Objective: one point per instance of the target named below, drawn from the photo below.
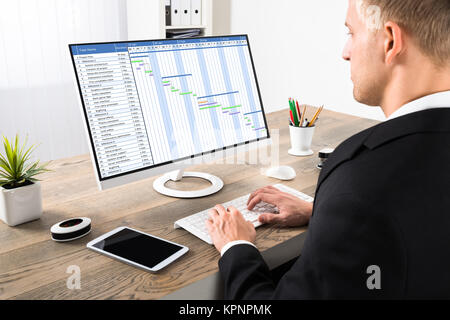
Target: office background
(296, 46)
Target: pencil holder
(301, 139)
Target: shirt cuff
(234, 243)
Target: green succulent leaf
(15, 165)
(5, 166)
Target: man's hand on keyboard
(228, 225)
(293, 212)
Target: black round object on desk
(71, 229)
(324, 154)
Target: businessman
(380, 224)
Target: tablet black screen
(138, 247)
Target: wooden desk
(32, 266)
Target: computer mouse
(282, 173)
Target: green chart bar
(137, 61)
(234, 107)
(210, 107)
(184, 93)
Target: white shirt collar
(432, 101)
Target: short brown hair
(428, 21)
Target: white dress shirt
(432, 101)
(234, 243)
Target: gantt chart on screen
(152, 102)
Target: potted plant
(20, 191)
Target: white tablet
(137, 248)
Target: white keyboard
(196, 223)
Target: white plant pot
(21, 204)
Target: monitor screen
(150, 103)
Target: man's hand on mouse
(226, 225)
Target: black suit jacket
(383, 198)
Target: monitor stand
(177, 175)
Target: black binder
(168, 14)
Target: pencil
(294, 113)
(290, 108)
(316, 116)
(303, 116)
(298, 113)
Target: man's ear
(393, 43)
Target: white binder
(196, 12)
(185, 12)
(175, 12)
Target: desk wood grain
(32, 266)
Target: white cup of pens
(301, 129)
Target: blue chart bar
(178, 76)
(208, 104)
(246, 114)
(217, 95)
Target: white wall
(297, 47)
(139, 25)
(37, 94)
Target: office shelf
(185, 27)
(206, 26)
(146, 19)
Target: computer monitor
(152, 106)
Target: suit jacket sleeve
(345, 237)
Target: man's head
(391, 39)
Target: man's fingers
(268, 189)
(220, 209)
(213, 214)
(254, 201)
(233, 210)
(256, 192)
(272, 188)
(270, 218)
(209, 224)
(266, 197)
